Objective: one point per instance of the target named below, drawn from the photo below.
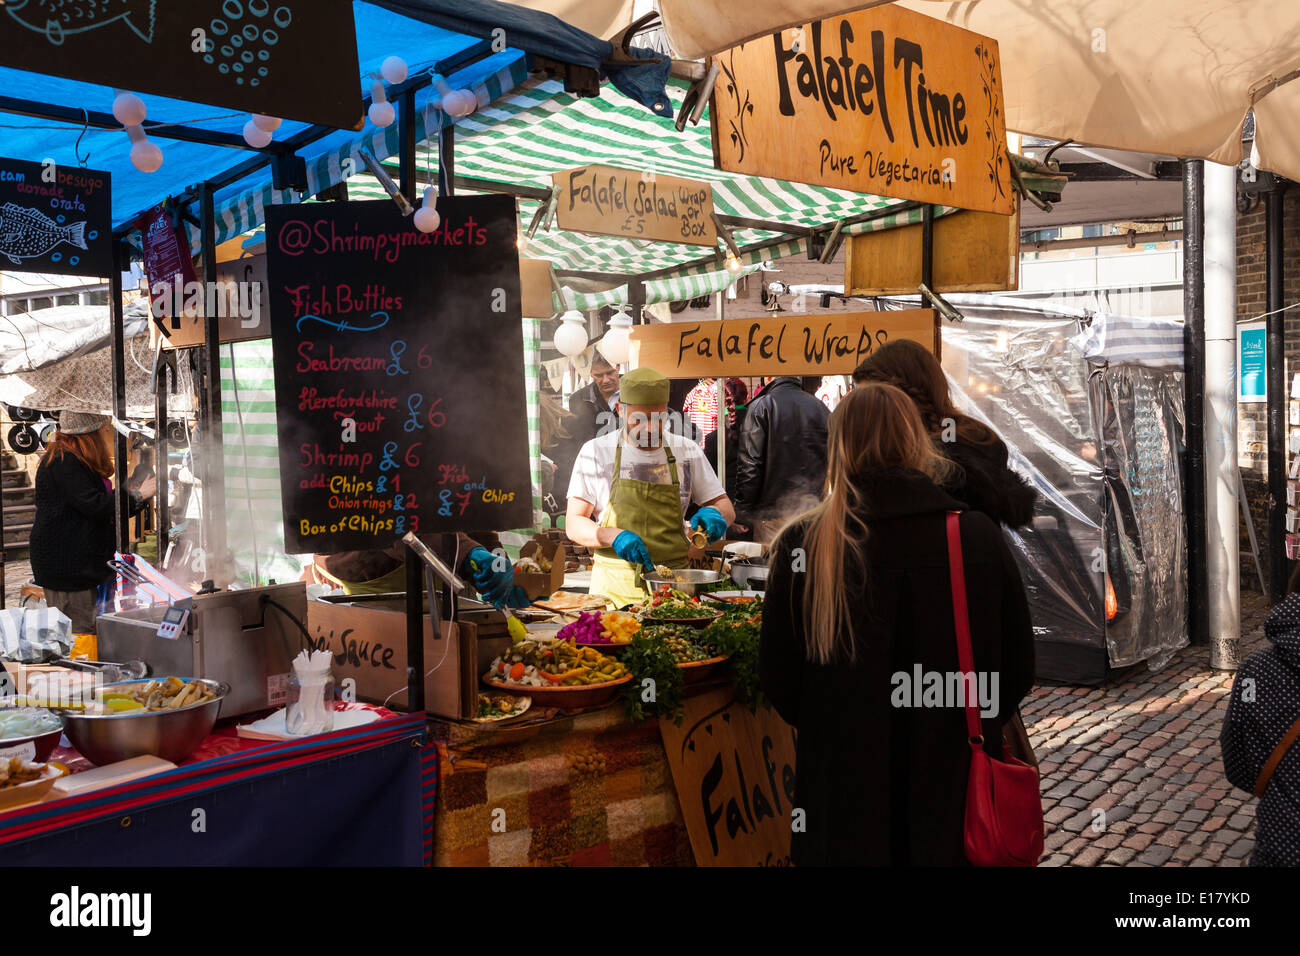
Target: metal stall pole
(214, 491)
(447, 160)
(162, 518)
(406, 145)
(722, 405)
(415, 630)
(927, 247)
(1198, 615)
(1223, 522)
(122, 510)
(1274, 355)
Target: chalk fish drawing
(27, 233)
(345, 326)
(58, 19)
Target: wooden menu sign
(295, 59)
(791, 344)
(973, 252)
(399, 371)
(55, 219)
(635, 205)
(734, 773)
(883, 101)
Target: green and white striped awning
(536, 129)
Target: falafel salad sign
(55, 219)
(399, 371)
(883, 101)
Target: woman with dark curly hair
(983, 481)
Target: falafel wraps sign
(55, 219)
(883, 101)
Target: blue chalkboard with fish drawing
(263, 56)
(55, 219)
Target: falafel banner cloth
(649, 510)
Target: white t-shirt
(593, 470)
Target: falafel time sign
(883, 101)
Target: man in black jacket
(591, 401)
(782, 456)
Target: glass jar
(309, 704)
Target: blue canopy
(380, 33)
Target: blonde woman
(859, 652)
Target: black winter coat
(781, 461)
(987, 485)
(883, 781)
(1257, 720)
(587, 405)
(72, 534)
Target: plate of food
(669, 606)
(572, 602)
(736, 597)
(605, 632)
(23, 782)
(695, 660)
(31, 733)
(557, 674)
(493, 708)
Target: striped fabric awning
(536, 129)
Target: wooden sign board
(635, 205)
(535, 288)
(240, 300)
(883, 101)
(382, 336)
(734, 774)
(295, 59)
(55, 219)
(973, 252)
(788, 344)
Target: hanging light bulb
(571, 336)
(393, 69)
(733, 265)
(426, 217)
(268, 123)
(255, 135)
(145, 156)
(381, 111)
(616, 345)
(454, 102)
(128, 109)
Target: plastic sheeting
(1101, 444)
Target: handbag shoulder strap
(1275, 758)
(961, 622)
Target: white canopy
(1174, 77)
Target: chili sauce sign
(55, 219)
(399, 371)
(883, 101)
(635, 205)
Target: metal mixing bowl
(687, 580)
(170, 734)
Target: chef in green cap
(631, 488)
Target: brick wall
(1252, 421)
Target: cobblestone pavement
(1145, 753)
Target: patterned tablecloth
(587, 790)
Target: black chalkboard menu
(296, 59)
(399, 372)
(55, 219)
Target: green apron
(650, 510)
(394, 580)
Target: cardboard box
(537, 585)
(368, 641)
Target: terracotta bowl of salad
(669, 606)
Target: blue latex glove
(494, 585)
(711, 520)
(629, 546)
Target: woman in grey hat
(72, 534)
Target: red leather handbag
(1004, 810)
